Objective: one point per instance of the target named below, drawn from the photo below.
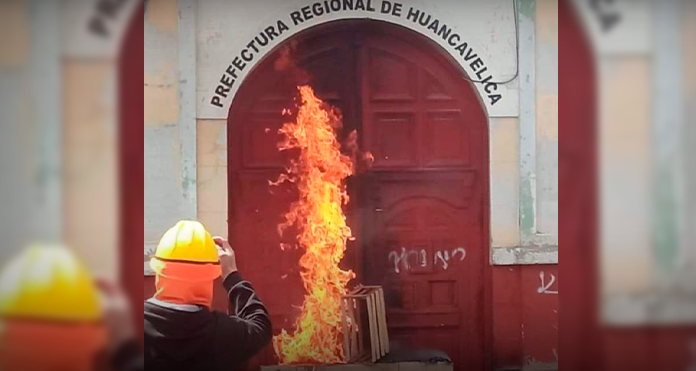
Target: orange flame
(319, 173)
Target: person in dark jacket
(181, 330)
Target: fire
(319, 174)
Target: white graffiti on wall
(401, 259)
(545, 287)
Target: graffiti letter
(399, 258)
(457, 251)
(444, 259)
(544, 288)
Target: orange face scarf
(177, 291)
(185, 283)
(45, 346)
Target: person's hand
(118, 316)
(228, 262)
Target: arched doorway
(419, 214)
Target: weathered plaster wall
(14, 38)
(547, 119)
(58, 131)
(212, 175)
(689, 151)
(625, 149)
(15, 31)
(90, 179)
(162, 152)
(524, 194)
(88, 114)
(504, 147)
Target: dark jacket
(195, 338)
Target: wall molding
(524, 255)
(527, 126)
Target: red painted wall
(131, 142)
(525, 314)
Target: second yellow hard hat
(48, 283)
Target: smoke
(286, 65)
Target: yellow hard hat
(187, 243)
(48, 282)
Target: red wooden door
(424, 238)
(419, 214)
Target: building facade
(456, 100)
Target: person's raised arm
(249, 325)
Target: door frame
(443, 56)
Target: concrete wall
(524, 149)
(212, 175)
(58, 127)
(164, 184)
(90, 181)
(546, 59)
(87, 110)
(15, 55)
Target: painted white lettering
(461, 251)
(404, 259)
(443, 258)
(399, 258)
(544, 287)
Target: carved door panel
(423, 211)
